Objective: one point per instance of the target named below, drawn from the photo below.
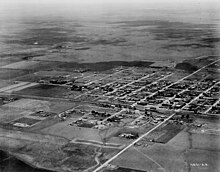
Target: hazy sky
(108, 1)
(26, 7)
(156, 3)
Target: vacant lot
(71, 132)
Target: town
(115, 109)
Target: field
(22, 65)
(36, 105)
(5, 83)
(171, 157)
(28, 121)
(202, 141)
(71, 132)
(49, 91)
(9, 114)
(202, 160)
(171, 132)
(140, 40)
(121, 169)
(10, 74)
(155, 158)
(53, 156)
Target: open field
(172, 131)
(28, 121)
(5, 83)
(202, 141)
(48, 91)
(171, 156)
(71, 132)
(9, 114)
(10, 74)
(202, 160)
(21, 65)
(36, 105)
(156, 40)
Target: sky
(159, 3)
(109, 1)
(36, 6)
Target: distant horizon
(110, 1)
(155, 4)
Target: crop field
(11, 74)
(36, 105)
(49, 91)
(9, 114)
(172, 131)
(32, 77)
